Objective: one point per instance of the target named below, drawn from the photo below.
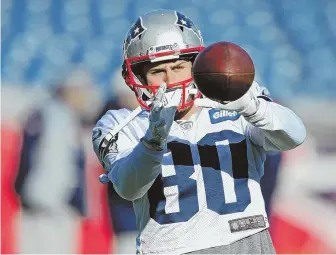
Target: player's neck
(186, 114)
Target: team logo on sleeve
(217, 115)
(108, 145)
(96, 134)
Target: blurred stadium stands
(292, 42)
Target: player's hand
(161, 117)
(247, 105)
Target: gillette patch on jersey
(217, 115)
(242, 224)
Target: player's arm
(275, 127)
(270, 125)
(134, 170)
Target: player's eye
(156, 71)
(180, 67)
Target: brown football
(223, 71)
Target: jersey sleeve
(274, 127)
(118, 144)
(131, 167)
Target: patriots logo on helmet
(184, 21)
(136, 30)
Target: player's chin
(184, 109)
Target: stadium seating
(291, 42)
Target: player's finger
(159, 95)
(205, 102)
(157, 104)
(192, 91)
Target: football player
(191, 166)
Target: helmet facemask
(160, 36)
(136, 80)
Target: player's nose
(171, 77)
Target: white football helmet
(158, 36)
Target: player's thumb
(205, 102)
